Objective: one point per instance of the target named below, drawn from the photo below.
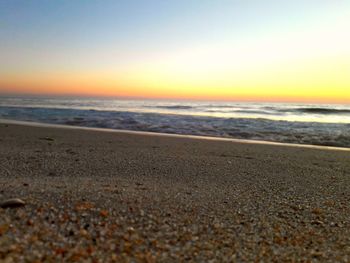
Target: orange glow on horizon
(323, 79)
(124, 92)
(314, 83)
(318, 79)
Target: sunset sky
(184, 49)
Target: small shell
(12, 203)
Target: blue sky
(143, 24)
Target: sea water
(317, 124)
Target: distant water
(317, 124)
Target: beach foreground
(103, 196)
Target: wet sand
(104, 196)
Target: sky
(241, 50)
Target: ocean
(315, 124)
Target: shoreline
(173, 135)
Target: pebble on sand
(12, 203)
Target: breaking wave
(323, 110)
(316, 133)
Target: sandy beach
(94, 196)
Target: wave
(267, 110)
(172, 107)
(323, 110)
(329, 134)
(310, 110)
(256, 112)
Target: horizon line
(121, 97)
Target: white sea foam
(292, 123)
